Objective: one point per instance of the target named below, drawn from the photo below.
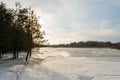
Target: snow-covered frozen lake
(65, 64)
(98, 53)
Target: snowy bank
(59, 66)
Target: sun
(42, 21)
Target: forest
(19, 30)
(89, 44)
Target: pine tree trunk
(27, 56)
(14, 55)
(17, 54)
(0, 54)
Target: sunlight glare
(42, 21)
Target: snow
(59, 66)
(84, 69)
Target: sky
(66, 21)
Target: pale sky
(66, 21)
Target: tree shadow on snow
(83, 77)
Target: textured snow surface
(60, 67)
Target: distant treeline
(19, 30)
(89, 44)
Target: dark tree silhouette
(19, 30)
